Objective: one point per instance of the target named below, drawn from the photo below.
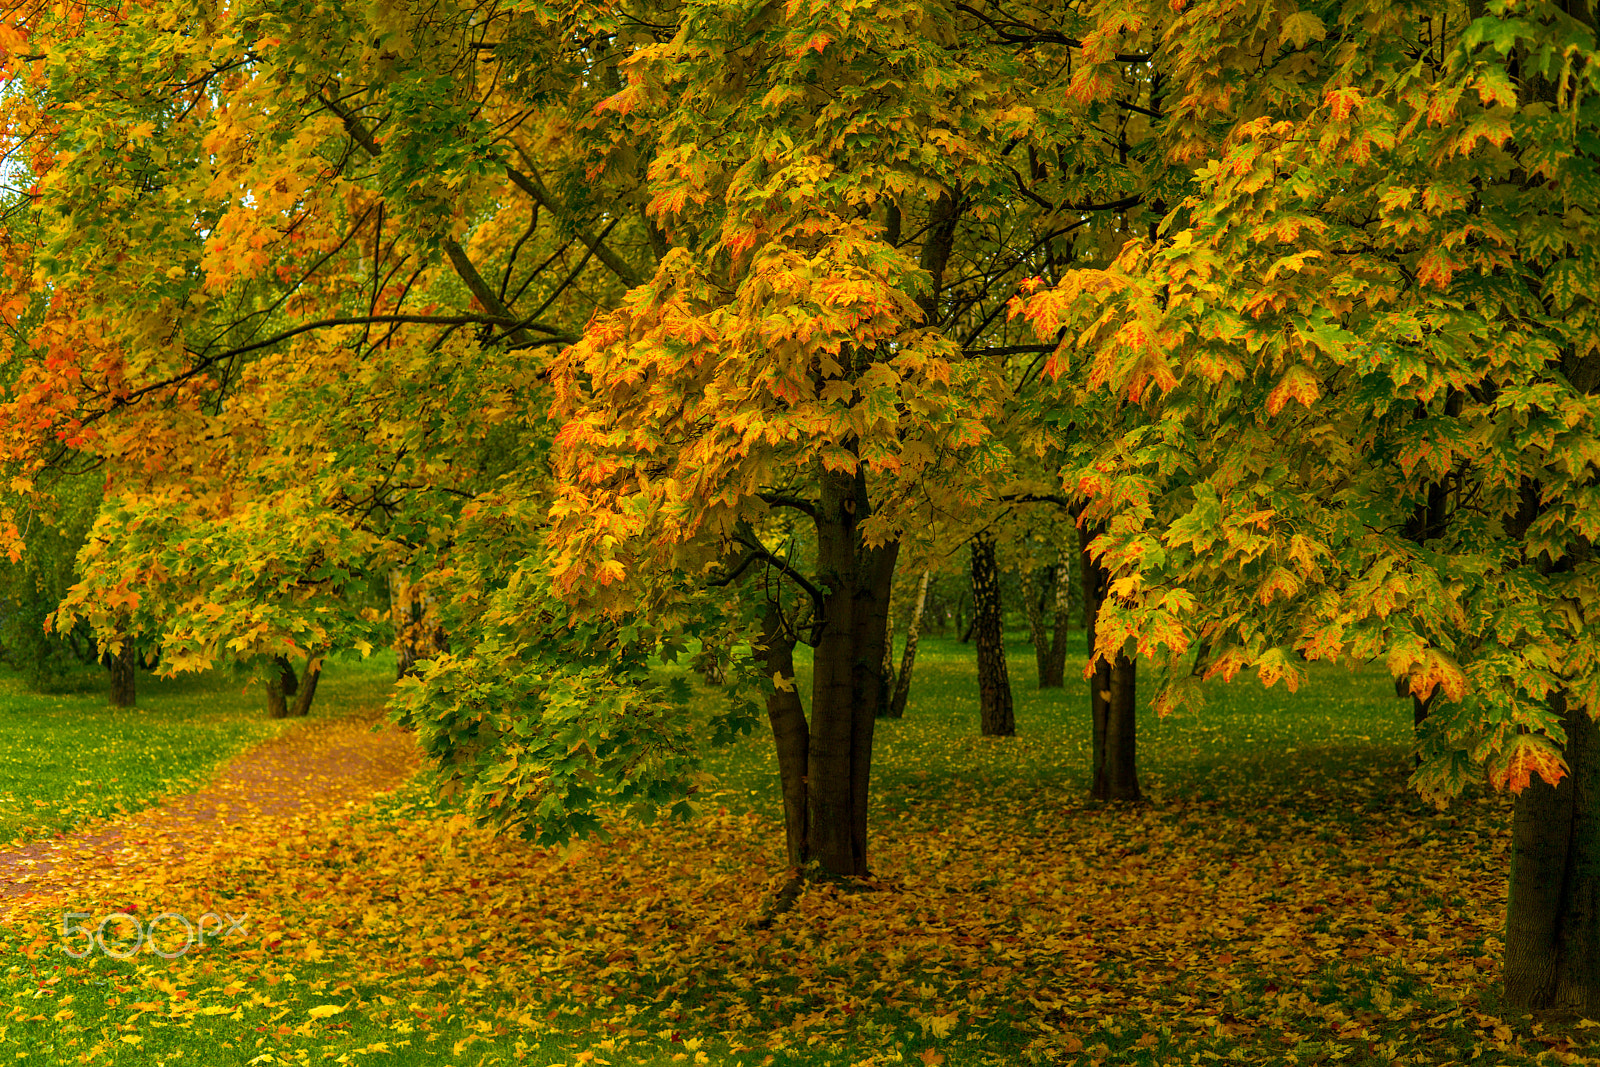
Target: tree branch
(458, 256)
(531, 185)
(778, 500)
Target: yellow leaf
(322, 1011)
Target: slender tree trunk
(886, 690)
(1112, 697)
(307, 689)
(790, 733)
(908, 659)
(994, 684)
(122, 669)
(963, 624)
(403, 615)
(1033, 606)
(281, 684)
(1553, 913)
(1054, 675)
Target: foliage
(33, 586)
(1364, 360)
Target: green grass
(69, 760)
(1256, 786)
(1338, 724)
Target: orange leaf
(1297, 383)
(1529, 754)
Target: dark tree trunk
(908, 659)
(994, 685)
(291, 684)
(963, 625)
(1112, 694)
(307, 689)
(790, 733)
(121, 667)
(277, 706)
(855, 582)
(1553, 914)
(1054, 674)
(825, 762)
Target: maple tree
(1365, 363)
(820, 372)
(302, 364)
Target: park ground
(1281, 899)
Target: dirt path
(316, 767)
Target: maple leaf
(1526, 756)
(1300, 383)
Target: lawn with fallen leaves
(1282, 898)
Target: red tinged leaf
(1298, 383)
(1527, 756)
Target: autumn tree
(299, 363)
(851, 194)
(311, 270)
(1367, 363)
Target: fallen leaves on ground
(1349, 923)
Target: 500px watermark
(124, 943)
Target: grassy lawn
(69, 760)
(1281, 899)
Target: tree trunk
(1033, 605)
(963, 626)
(908, 659)
(1553, 914)
(847, 676)
(307, 689)
(1054, 676)
(994, 685)
(291, 684)
(281, 684)
(401, 614)
(886, 690)
(790, 732)
(417, 634)
(1111, 696)
(122, 668)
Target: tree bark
(848, 678)
(908, 658)
(291, 684)
(281, 684)
(121, 667)
(790, 733)
(1054, 675)
(1112, 696)
(1552, 958)
(886, 691)
(401, 614)
(414, 638)
(994, 684)
(307, 689)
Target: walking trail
(312, 768)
